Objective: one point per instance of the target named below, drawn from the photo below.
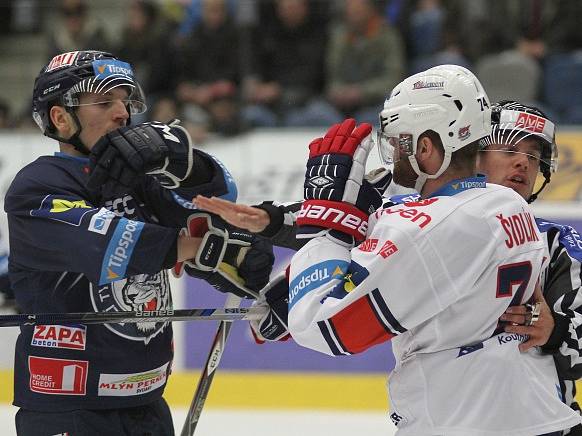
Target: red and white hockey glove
(230, 259)
(337, 196)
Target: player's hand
(228, 258)
(273, 326)
(539, 331)
(250, 218)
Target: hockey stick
(226, 314)
(212, 361)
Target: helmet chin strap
(534, 196)
(74, 140)
(422, 176)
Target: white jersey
(436, 275)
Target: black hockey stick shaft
(208, 372)
(226, 314)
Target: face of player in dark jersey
(101, 113)
(515, 166)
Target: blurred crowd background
(227, 66)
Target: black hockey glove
(229, 258)
(273, 326)
(120, 158)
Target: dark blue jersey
(72, 250)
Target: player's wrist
(273, 220)
(334, 215)
(187, 247)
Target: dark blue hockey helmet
(68, 75)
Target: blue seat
(562, 85)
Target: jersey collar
(459, 185)
(83, 160)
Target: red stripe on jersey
(358, 328)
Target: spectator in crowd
(565, 34)
(192, 118)
(208, 68)
(145, 43)
(75, 29)
(364, 59)
(289, 53)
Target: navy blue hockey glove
(338, 198)
(229, 258)
(120, 158)
(273, 325)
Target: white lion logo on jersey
(136, 293)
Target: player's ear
(424, 149)
(62, 121)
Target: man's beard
(404, 174)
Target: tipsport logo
(120, 249)
(315, 276)
(110, 67)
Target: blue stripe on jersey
(329, 336)
(186, 204)
(119, 250)
(231, 189)
(394, 325)
(568, 237)
(315, 276)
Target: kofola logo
(59, 336)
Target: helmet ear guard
(446, 99)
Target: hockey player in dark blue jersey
(94, 228)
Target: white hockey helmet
(447, 99)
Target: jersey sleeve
(173, 207)
(53, 228)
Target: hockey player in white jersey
(432, 275)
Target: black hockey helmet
(512, 121)
(67, 75)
